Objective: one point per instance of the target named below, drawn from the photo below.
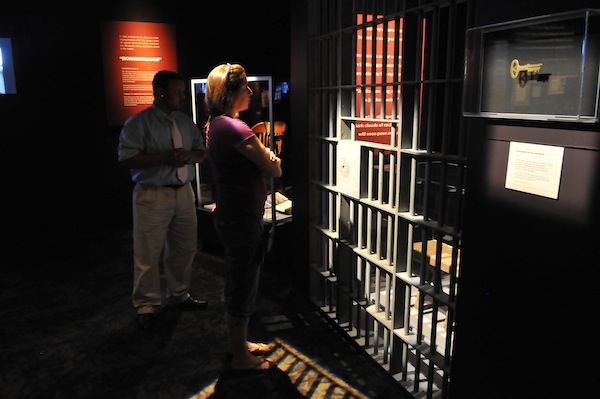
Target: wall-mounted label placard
(534, 169)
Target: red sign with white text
(132, 53)
(372, 69)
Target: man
(160, 146)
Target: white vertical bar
(358, 275)
(390, 239)
(331, 172)
(379, 233)
(407, 296)
(330, 254)
(376, 338)
(369, 229)
(359, 227)
(370, 176)
(326, 251)
(351, 220)
(386, 344)
(394, 131)
(332, 205)
(326, 210)
(388, 289)
(413, 185)
(368, 290)
(392, 195)
(377, 289)
(338, 206)
(380, 175)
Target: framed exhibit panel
(540, 68)
(132, 53)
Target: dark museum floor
(69, 332)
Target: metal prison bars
(386, 184)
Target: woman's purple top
(240, 189)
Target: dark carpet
(69, 332)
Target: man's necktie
(182, 172)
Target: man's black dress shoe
(146, 321)
(192, 304)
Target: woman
(239, 164)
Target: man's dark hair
(162, 79)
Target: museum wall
(528, 259)
(59, 165)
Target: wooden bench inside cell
(431, 258)
(445, 261)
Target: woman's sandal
(259, 349)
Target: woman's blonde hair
(222, 82)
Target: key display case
(541, 68)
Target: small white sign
(534, 169)
(348, 168)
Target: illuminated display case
(542, 68)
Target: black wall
(527, 293)
(59, 167)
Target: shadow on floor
(69, 331)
